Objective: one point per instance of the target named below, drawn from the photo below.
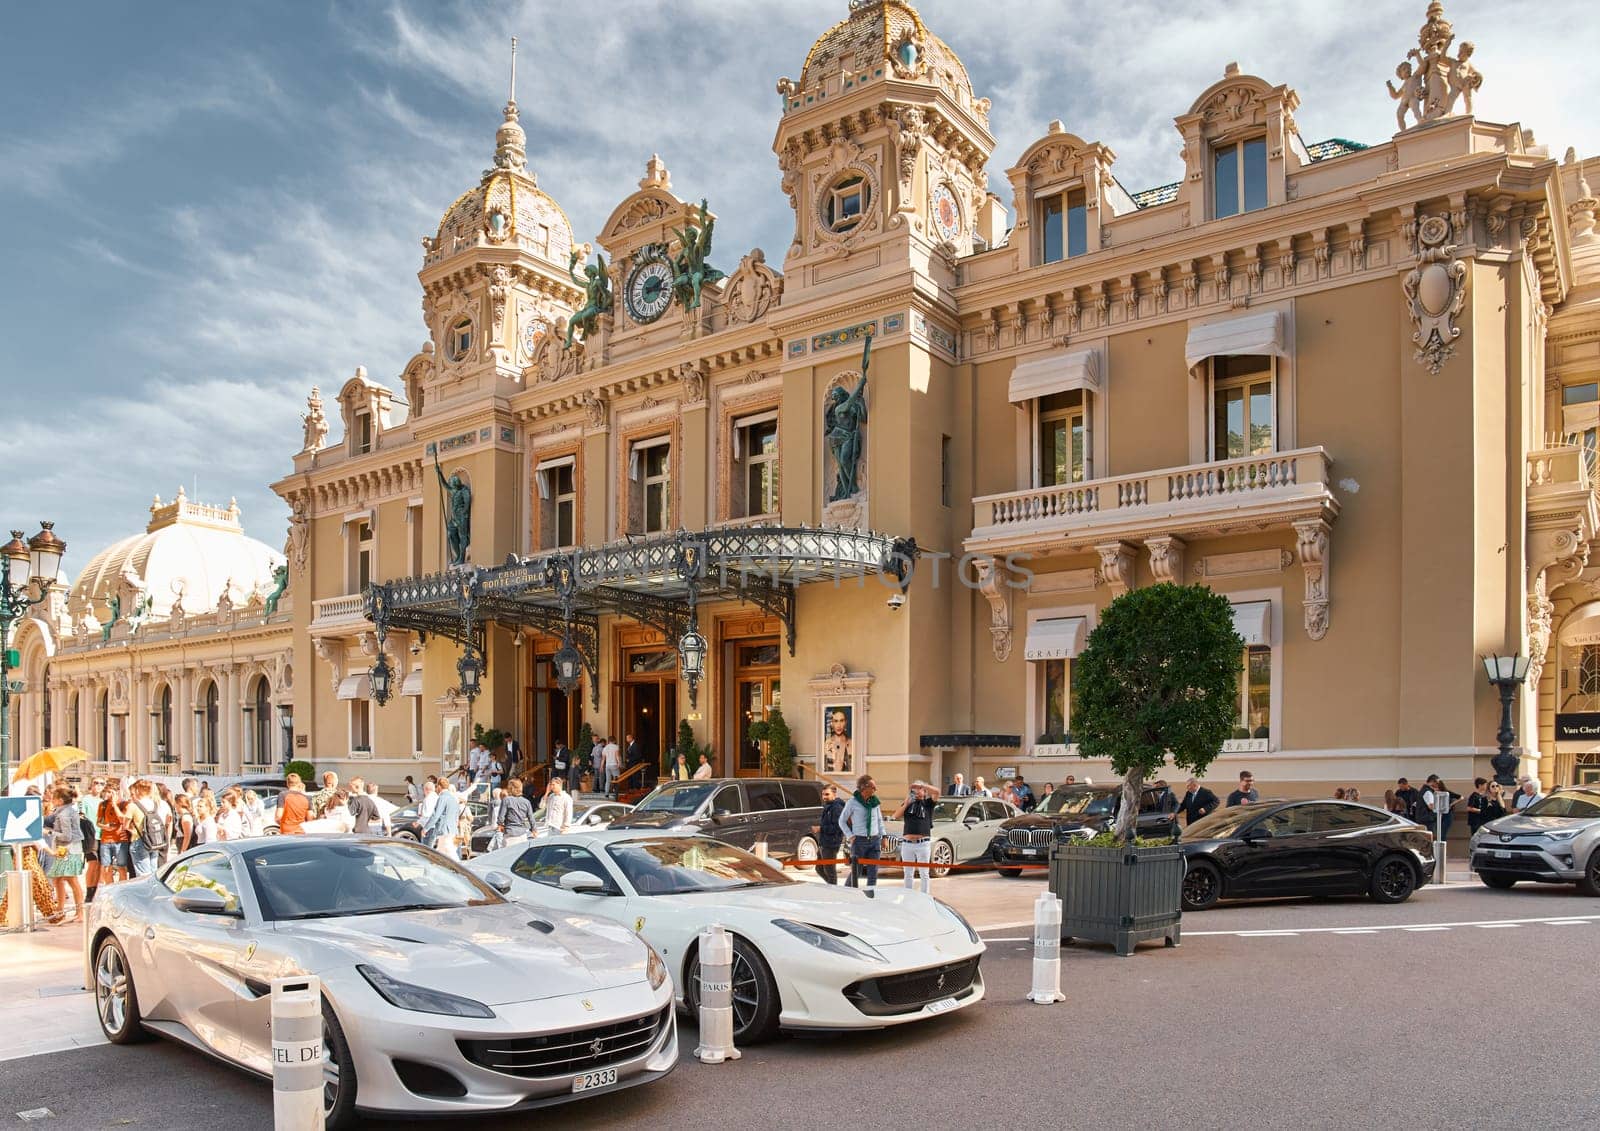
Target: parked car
(740, 811)
(1077, 811)
(963, 829)
(406, 821)
(588, 815)
(1304, 848)
(805, 956)
(418, 1016)
(1556, 840)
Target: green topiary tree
(1158, 679)
(585, 744)
(306, 770)
(780, 746)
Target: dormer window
(847, 203)
(458, 340)
(361, 433)
(1238, 177)
(1063, 225)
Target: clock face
(533, 332)
(946, 214)
(649, 290)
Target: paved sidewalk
(43, 1005)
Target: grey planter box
(1122, 896)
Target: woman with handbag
(64, 865)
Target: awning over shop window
(1057, 638)
(1057, 372)
(1582, 626)
(356, 686)
(1247, 334)
(413, 683)
(1251, 620)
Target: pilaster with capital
(1116, 566)
(1313, 537)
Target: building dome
(505, 208)
(189, 551)
(889, 35)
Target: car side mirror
(721, 814)
(202, 901)
(1259, 832)
(583, 883)
(969, 821)
(499, 881)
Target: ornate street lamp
(568, 662)
(470, 669)
(32, 563)
(382, 677)
(692, 654)
(1506, 673)
(286, 723)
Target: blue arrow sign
(21, 819)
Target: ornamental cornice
(820, 127)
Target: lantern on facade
(692, 656)
(568, 662)
(382, 679)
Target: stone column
(232, 724)
(181, 742)
(137, 728)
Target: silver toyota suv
(1556, 840)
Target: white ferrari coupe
(806, 956)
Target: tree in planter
(1158, 679)
(585, 744)
(780, 746)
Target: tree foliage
(1158, 679)
(306, 770)
(780, 745)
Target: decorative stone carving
(1166, 557)
(299, 539)
(1541, 616)
(1116, 566)
(1430, 89)
(499, 291)
(1435, 292)
(330, 650)
(992, 584)
(693, 379)
(909, 127)
(1581, 212)
(596, 408)
(1312, 539)
(753, 289)
(315, 421)
(1246, 561)
(551, 359)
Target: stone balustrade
(330, 611)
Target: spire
(510, 142)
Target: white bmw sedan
(440, 996)
(806, 956)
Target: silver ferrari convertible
(440, 996)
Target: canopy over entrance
(656, 580)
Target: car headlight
(847, 946)
(421, 999)
(952, 913)
(655, 969)
(1563, 835)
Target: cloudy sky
(211, 207)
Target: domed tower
(882, 144)
(495, 277)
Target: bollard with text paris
(297, 1054)
(1046, 951)
(716, 997)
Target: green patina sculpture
(843, 419)
(457, 512)
(115, 604)
(596, 284)
(690, 270)
(280, 582)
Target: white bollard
(1046, 951)
(19, 899)
(759, 848)
(716, 997)
(297, 1054)
(88, 959)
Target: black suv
(741, 811)
(1078, 810)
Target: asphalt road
(1462, 1008)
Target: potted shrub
(780, 746)
(1158, 681)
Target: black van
(741, 811)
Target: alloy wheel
(1395, 879)
(1200, 887)
(330, 1072)
(943, 857)
(111, 989)
(746, 993)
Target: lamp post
(286, 724)
(1506, 673)
(382, 676)
(692, 653)
(568, 663)
(30, 564)
(470, 669)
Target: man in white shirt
(611, 764)
(703, 770)
(557, 808)
(384, 807)
(430, 798)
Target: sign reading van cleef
(1578, 726)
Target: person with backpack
(149, 822)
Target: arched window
(208, 738)
(261, 724)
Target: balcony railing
(332, 611)
(1201, 492)
(1562, 465)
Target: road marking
(1496, 926)
(1424, 928)
(1569, 922)
(1356, 931)
(1566, 920)
(1268, 934)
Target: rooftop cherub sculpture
(596, 284)
(690, 270)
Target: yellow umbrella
(51, 761)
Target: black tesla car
(1304, 848)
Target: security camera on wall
(897, 601)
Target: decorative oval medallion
(1434, 289)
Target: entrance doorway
(756, 690)
(648, 702)
(553, 714)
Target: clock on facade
(533, 332)
(649, 289)
(946, 214)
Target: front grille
(1030, 838)
(568, 1053)
(1523, 858)
(905, 993)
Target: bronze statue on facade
(280, 582)
(457, 498)
(596, 285)
(690, 270)
(844, 419)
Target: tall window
(1063, 226)
(650, 486)
(261, 724)
(163, 725)
(1243, 409)
(755, 454)
(944, 470)
(1255, 693)
(209, 724)
(72, 720)
(361, 433)
(361, 724)
(414, 519)
(416, 724)
(361, 555)
(1063, 436)
(1239, 177)
(1589, 670)
(558, 503)
(1055, 700)
(103, 711)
